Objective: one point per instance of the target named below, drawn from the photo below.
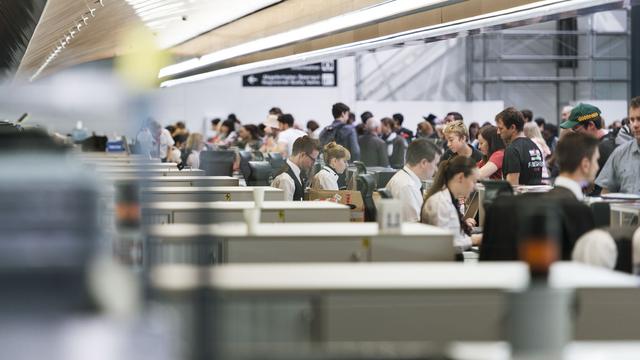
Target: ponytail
(447, 169)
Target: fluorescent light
(338, 23)
(517, 16)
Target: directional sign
(322, 74)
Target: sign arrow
(252, 79)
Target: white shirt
(439, 211)
(165, 141)
(193, 159)
(389, 142)
(405, 186)
(570, 184)
(325, 179)
(288, 137)
(286, 183)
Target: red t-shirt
(495, 158)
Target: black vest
(298, 193)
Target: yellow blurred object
(140, 59)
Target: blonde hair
(335, 151)
(531, 130)
(456, 128)
(193, 141)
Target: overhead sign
(322, 74)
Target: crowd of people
(582, 157)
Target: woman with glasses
(336, 158)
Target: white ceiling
(175, 21)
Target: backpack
(330, 133)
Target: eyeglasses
(311, 157)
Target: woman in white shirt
(336, 158)
(455, 180)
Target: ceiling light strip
(74, 30)
(385, 10)
(537, 12)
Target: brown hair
(305, 144)
(572, 148)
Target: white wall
(220, 96)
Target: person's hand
(471, 222)
(476, 239)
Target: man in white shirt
(288, 134)
(406, 185)
(577, 156)
(292, 178)
(154, 140)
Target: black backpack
(330, 133)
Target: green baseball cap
(581, 113)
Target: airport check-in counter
(295, 242)
(625, 214)
(343, 309)
(207, 194)
(133, 171)
(182, 181)
(171, 212)
(409, 310)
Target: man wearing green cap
(621, 173)
(585, 118)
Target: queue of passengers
(584, 159)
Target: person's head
(304, 152)
(540, 122)
(527, 115)
(457, 135)
(386, 126)
(154, 128)
(285, 121)
(170, 128)
(398, 119)
(531, 130)
(566, 111)
(195, 141)
(489, 141)
(340, 112)
(584, 118)
(453, 116)
(351, 119)
(275, 111)
(634, 117)
(422, 157)
(227, 126)
(577, 155)
(365, 116)
(337, 157)
(549, 132)
(458, 174)
(510, 124)
(473, 131)
(180, 125)
(312, 125)
(215, 123)
(424, 129)
(249, 132)
(373, 126)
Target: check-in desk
(625, 214)
(132, 171)
(357, 308)
(141, 166)
(174, 212)
(181, 181)
(383, 309)
(207, 194)
(295, 242)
